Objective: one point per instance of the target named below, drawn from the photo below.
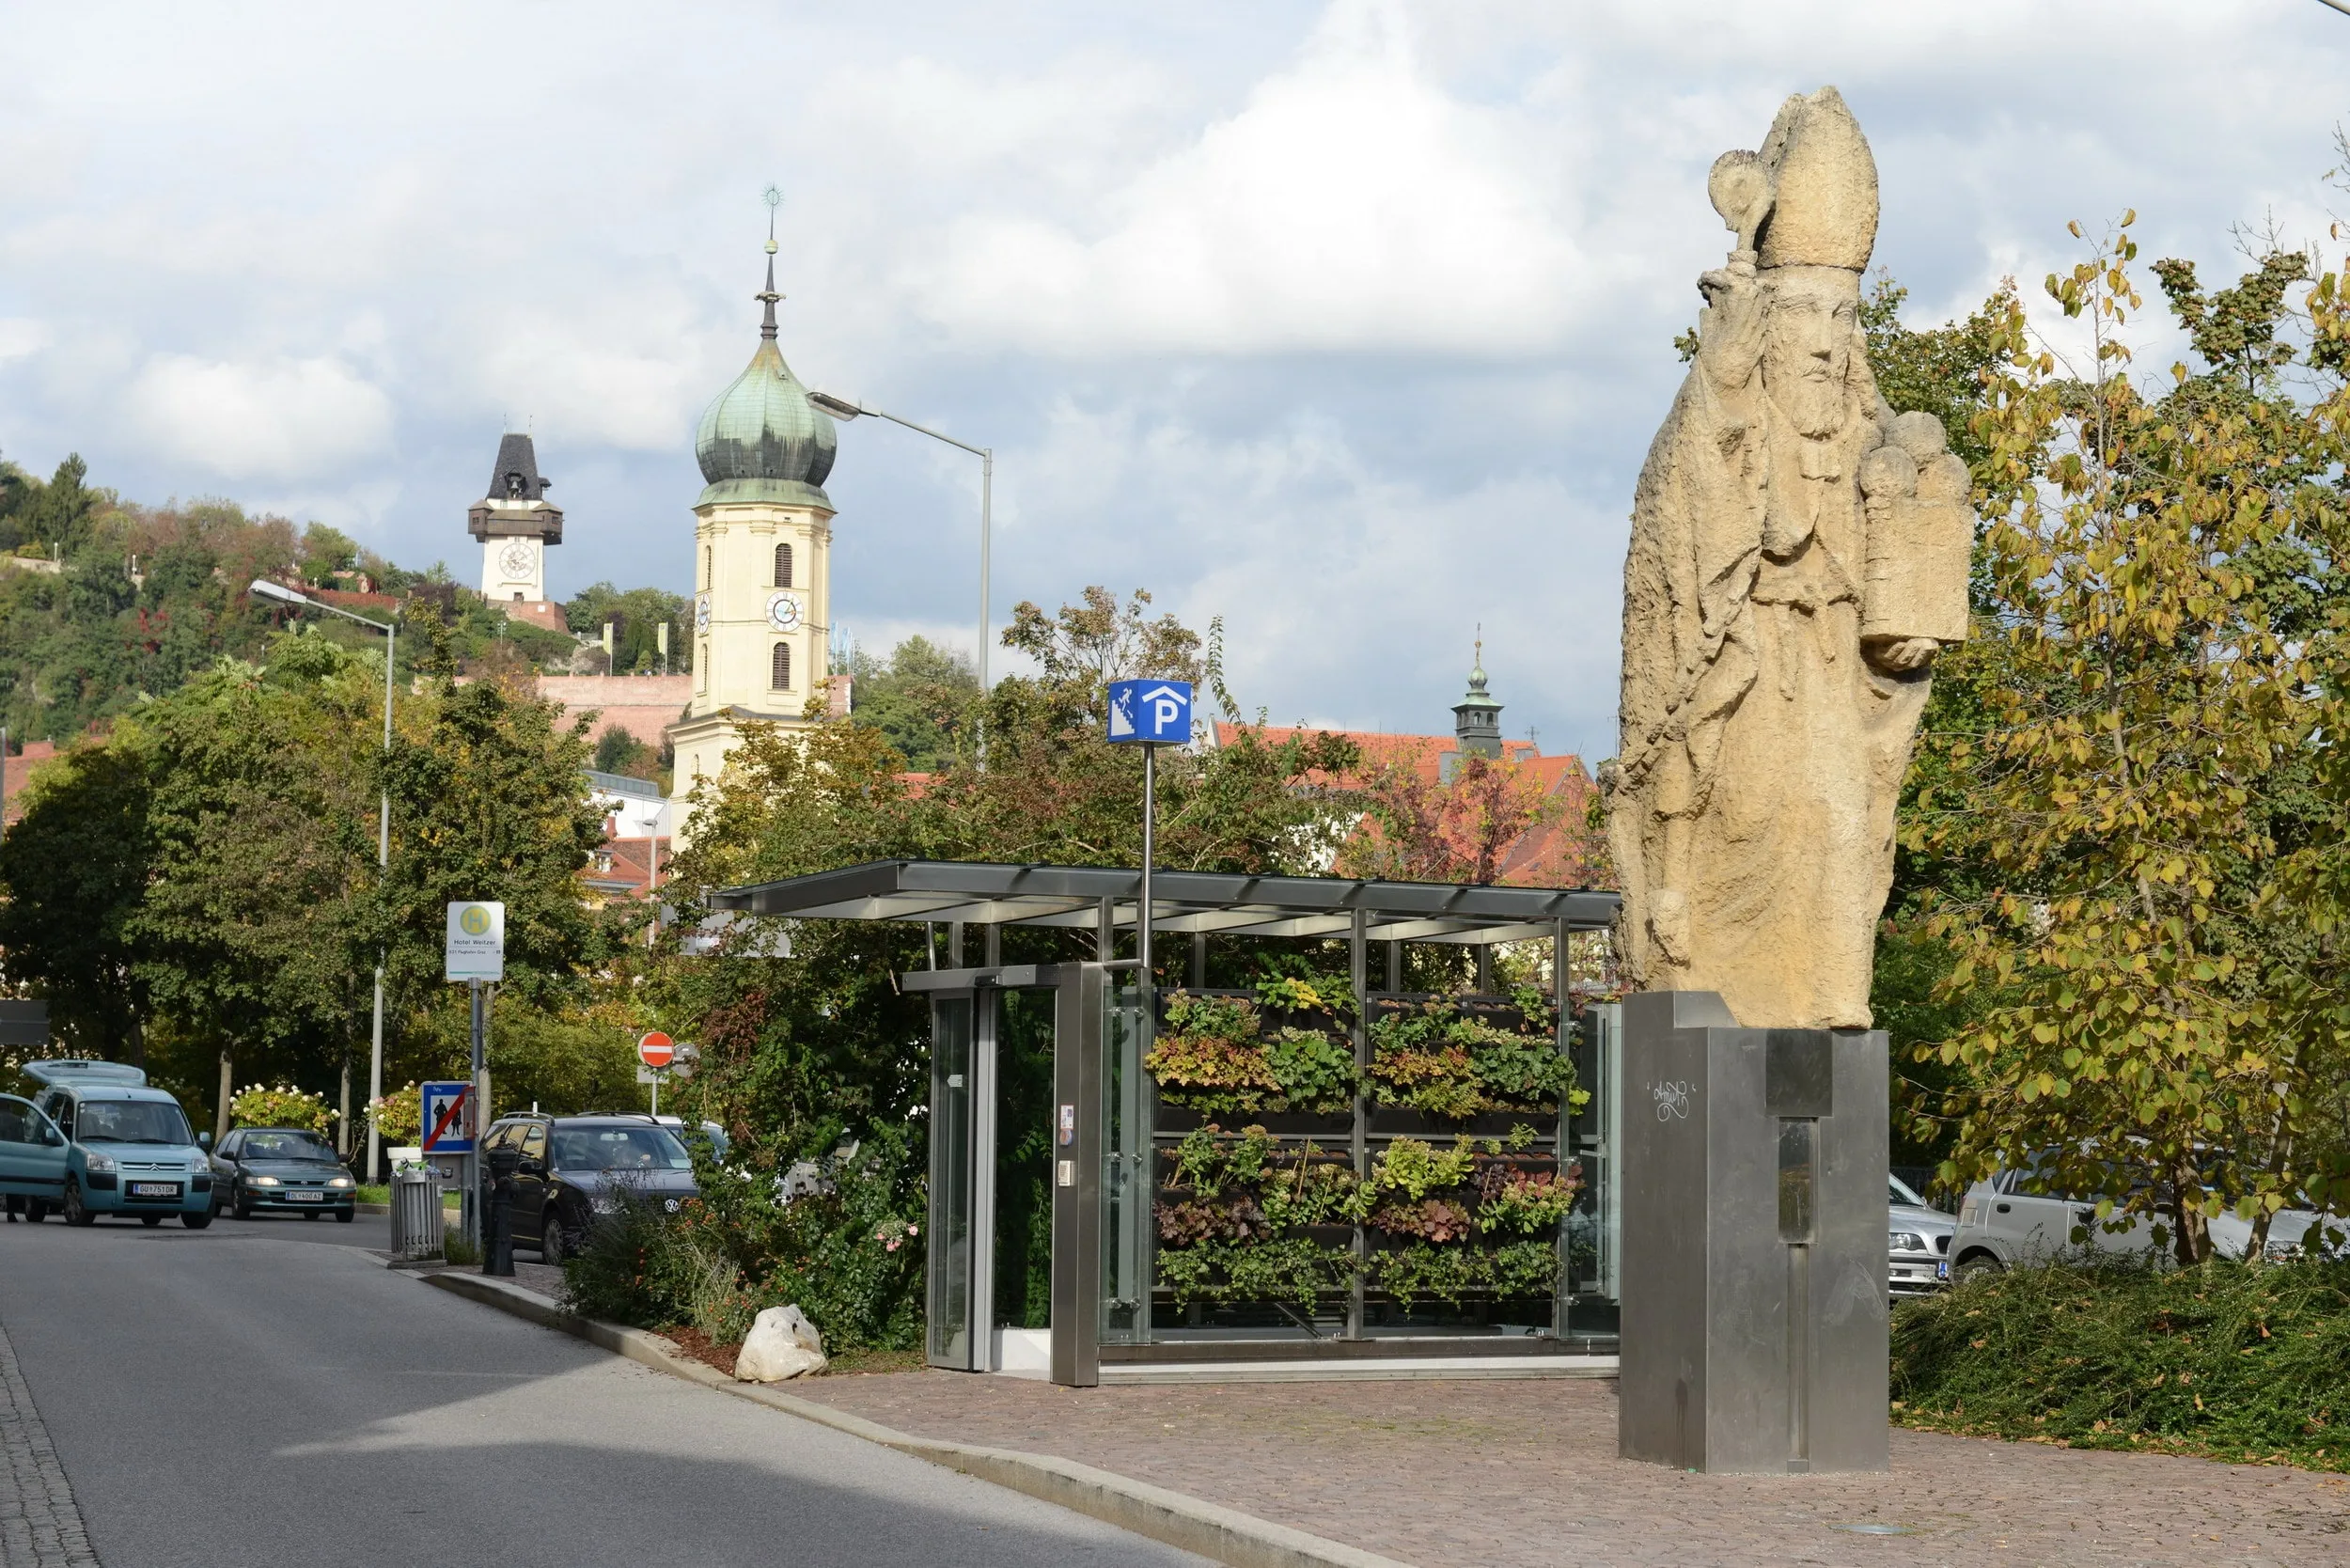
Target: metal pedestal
(1754, 1261)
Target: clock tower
(762, 558)
(515, 523)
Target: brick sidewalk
(1493, 1473)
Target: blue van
(100, 1140)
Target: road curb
(1171, 1519)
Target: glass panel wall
(949, 1315)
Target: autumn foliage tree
(2151, 805)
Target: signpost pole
(1150, 811)
(480, 1115)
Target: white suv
(1999, 1226)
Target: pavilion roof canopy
(1216, 902)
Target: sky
(1348, 322)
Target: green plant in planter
(1416, 1168)
(1436, 1059)
(1412, 1064)
(1225, 1241)
(1527, 1203)
(1296, 1269)
(1425, 1270)
(1214, 1057)
(1308, 993)
(1434, 1219)
(1210, 1058)
(1316, 1071)
(1517, 1071)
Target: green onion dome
(762, 440)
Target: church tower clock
(762, 557)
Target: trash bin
(416, 1213)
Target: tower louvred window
(783, 566)
(782, 673)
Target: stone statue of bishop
(1799, 554)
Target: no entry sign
(656, 1050)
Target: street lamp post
(845, 408)
(285, 595)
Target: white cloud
(1351, 204)
(22, 336)
(1348, 320)
(272, 421)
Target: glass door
(951, 1342)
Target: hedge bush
(2229, 1362)
(850, 1256)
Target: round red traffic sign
(656, 1049)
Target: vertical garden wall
(1395, 1167)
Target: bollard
(498, 1249)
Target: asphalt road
(218, 1399)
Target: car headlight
(99, 1164)
(340, 1182)
(264, 1181)
(1906, 1241)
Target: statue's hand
(1900, 657)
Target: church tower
(1477, 717)
(762, 558)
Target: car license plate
(1942, 1269)
(307, 1197)
(154, 1189)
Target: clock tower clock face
(517, 559)
(783, 612)
(701, 611)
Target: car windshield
(131, 1121)
(285, 1146)
(618, 1149)
(1902, 1193)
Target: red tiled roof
(1551, 855)
(622, 868)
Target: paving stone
(1503, 1473)
(41, 1526)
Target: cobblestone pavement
(40, 1524)
(1493, 1473)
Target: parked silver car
(1919, 1243)
(2000, 1224)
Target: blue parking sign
(447, 1118)
(1150, 712)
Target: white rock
(782, 1344)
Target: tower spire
(768, 296)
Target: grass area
(2225, 1361)
(383, 1194)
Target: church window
(705, 566)
(701, 670)
(782, 680)
(783, 566)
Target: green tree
(636, 616)
(924, 700)
(257, 821)
(72, 871)
(2167, 996)
(487, 803)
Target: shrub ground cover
(849, 1255)
(2224, 1361)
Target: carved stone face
(1808, 345)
